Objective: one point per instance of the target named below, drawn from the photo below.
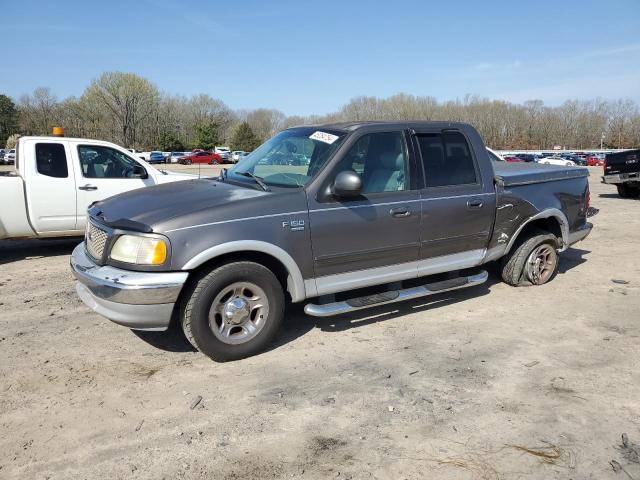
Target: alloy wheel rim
(541, 264)
(238, 313)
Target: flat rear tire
(533, 261)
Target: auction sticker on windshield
(324, 137)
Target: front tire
(534, 262)
(234, 311)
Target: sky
(305, 57)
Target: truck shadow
(616, 196)
(171, 340)
(16, 250)
(570, 258)
(297, 324)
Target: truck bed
(513, 174)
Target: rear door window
(51, 160)
(447, 159)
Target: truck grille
(95, 239)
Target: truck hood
(158, 205)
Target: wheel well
(549, 224)
(264, 259)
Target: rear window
(51, 160)
(447, 159)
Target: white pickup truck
(55, 179)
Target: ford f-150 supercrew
(381, 212)
(57, 178)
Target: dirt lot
(492, 382)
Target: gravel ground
(490, 382)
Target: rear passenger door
(50, 186)
(458, 205)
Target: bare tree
(129, 100)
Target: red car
(209, 158)
(513, 159)
(594, 161)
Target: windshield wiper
(257, 179)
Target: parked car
(578, 160)
(512, 159)
(349, 231)
(138, 154)
(10, 157)
(156, 157)
(622, 169)
(526, 157)
(175, 156)
(201, 157)
(557, 161)
(595, 161)
(238, 155)
(224, 153)
(58, 178)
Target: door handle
(474, 204)
(400, 212)
(88, 187)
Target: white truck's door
(103, 171)
(50, 185)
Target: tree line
(130, 110)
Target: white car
(224, 152)
(238, 155)
(174, 156)
(10, 157)
(57, 178)
(556, 161)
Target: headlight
(139, 250)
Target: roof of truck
(355, 125)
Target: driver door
(102, 172)
(373, 238)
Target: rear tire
(533, 262)
(234, 311)
(627, 191)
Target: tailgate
(622, 162)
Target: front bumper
(138, 300)
(580, 234)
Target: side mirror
(139, 172)
(347, 184)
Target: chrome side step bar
(358, 303)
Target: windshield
(291, 158)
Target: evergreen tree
(8, 119)
(207, 136)
(244, 139)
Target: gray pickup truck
(340, 216)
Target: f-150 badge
(294, 225)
